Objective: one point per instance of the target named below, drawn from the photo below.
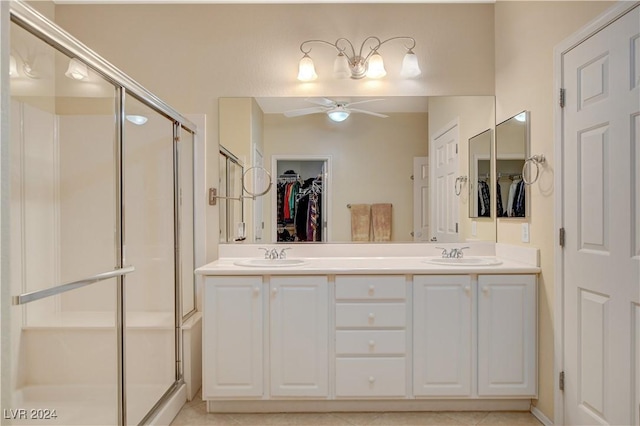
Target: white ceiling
(386, 105)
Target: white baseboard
(540, 416)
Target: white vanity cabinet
(232, 338)
(371, 336)
(507, 335)
(299, 336)
(442, 338)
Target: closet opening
(301, 203)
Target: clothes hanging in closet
(499, 208)
(308, 210)
(484, 199)
(516, 200)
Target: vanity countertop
(365, 265)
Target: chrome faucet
(455, 253)
(273, 253)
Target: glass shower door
(149, 236)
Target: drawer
(374, 342)
(371, 287)
(371, 315)
(362, 377)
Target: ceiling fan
(335, 109)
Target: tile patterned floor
(194, 413)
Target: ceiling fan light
(338, 115)
(341, 67)
(13, 66)
(306, 70)
(376, 66)
(77, 70)
(410, 67)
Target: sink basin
(261, 263)
(465, 261)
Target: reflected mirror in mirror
(373, 157)
(512, 144)
(480, 182)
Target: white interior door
(443, 150)
(601, 192)
(420, 198)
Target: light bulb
(410, 67)
(306, 70)
(376, 66)
(338, 114)
(341, 66)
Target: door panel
(600, 204)
(444, 203)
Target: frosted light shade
(522, 117)
(376, 67)
(341, 67)
(338, 115)
(306, 70)
(77, 70)
(410, 67)
(13, 67)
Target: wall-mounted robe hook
(460, 180)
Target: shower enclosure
(102, 235)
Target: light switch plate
(474, 228)
(525, 232)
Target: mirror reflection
(480, 182)
(512, 144)
(364, 178)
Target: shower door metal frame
(38, 25)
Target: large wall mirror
(377, 156)
(512, 147)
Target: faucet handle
(266, 252)
(459, 253)
(444, 251)
(283, 255)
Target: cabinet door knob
(372, 379)
(485, 290)
(256, 290)
(467, 289)
(274, 290)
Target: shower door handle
(52, 291)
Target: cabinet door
(232, 337)
(299, 336)
(442, 335)
(507, 335)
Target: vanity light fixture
(136, 119)
(348, 63)
(77, 70)
(13, 67)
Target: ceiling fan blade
(304, 111)
(321, 101)
(361, 102)
(364, 111)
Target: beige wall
(372, 161)
(190, 55)
(525, 36)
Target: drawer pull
(372, 379)
(372, 343)
(372, 316)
